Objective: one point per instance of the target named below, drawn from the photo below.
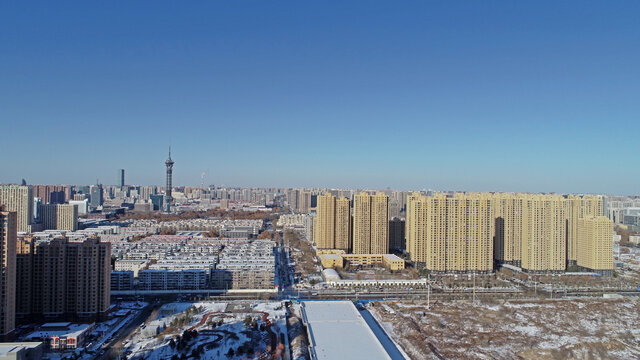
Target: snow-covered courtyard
(211, 330)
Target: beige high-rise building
(379, 224)
(595, 244)
(451, 233)
(19, 199)
(508, 228)
(59, 216)
(362, 223)
(343, 224)
(579, 207)
(371, 223)
(325, 223)
(415, 228)
(8, 239)
(332, 226)
(544, 237)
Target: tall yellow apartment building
(595, 244)
(451, 233)
(332, 226)
(578, 208)
(544, 233)
(508, 228)
(370, 223)
(343, 224)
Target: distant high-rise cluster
(53, 194)
(300, 200)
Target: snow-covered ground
(549, 329)
(213, 341)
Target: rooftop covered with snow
(338, 331)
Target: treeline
(216, 213)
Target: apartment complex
(594, 244)
(59, 216)
(465, 232)
(8, 239)
(333, 223)
(68, 279)
(370, 223)
(246, 266)
(19, 199)
(451, 233)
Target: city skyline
(467, 96)
(304, 180)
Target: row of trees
(216, 213)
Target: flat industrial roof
(331, 256)
(14, 347)
(338, 331)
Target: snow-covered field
(222, 329)
(550, 329)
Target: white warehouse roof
(338, 331)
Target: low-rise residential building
(62, 336)
(332, 261)
(389, 261)
(246, 266)
(192, 279)
(121, 280)
(130, 265)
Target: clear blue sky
(478, 95)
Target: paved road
(114, 347)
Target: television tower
(168, 198)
